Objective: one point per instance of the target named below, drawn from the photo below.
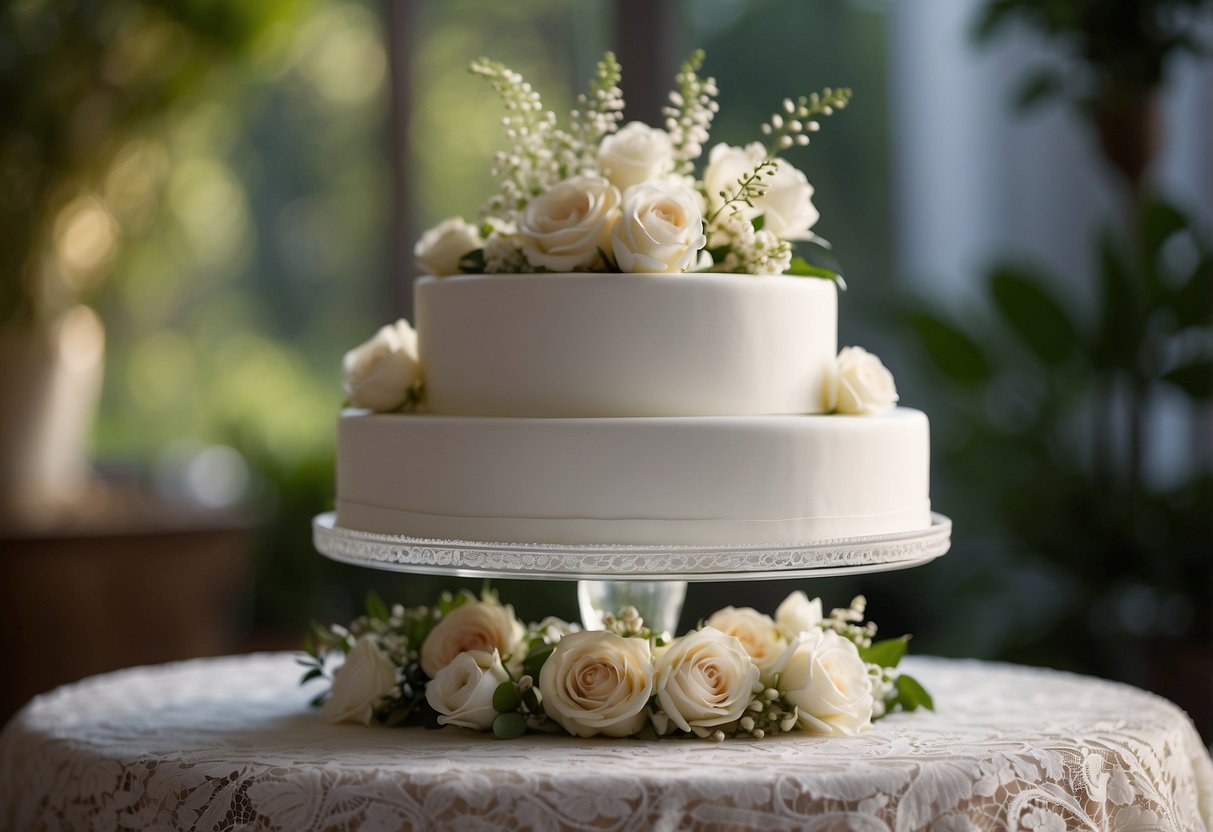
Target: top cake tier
(610, 345)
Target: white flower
(660, 229)
(476, 625)
(379, 373)
(827, 681)
(787, 204)
(598, 683)
(756, 632)
(563, 228)
(705, 679)
(439, 250)
(726, 165)
(797, 614)
(637, 153)
(462, 692)
(859, 384)
(366, 677)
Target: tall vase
(51, 377)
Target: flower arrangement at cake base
(470, 662)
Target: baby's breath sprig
(599, 110)
(749, 188)
(798, 118)
(690, 112)
(848, 622)
(541, 153)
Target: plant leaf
(1040, 321)
(1037, 89)
(1194, 377)
(473, 262)
(952, 350)
(375, 607)
(534, 661)
(505, 698)
(886, 653)
(314, 673)
(911, 695)
(509, 726)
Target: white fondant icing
(675, 480)
(602, 345)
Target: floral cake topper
(597, 196)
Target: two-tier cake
(626, 351)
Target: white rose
(705, 679)
(660, 229)
(379, 373)
(756, 632)
(786, 206)
(462, 692)
(726, 165)
(366, 677)
(563, 228)
(797, 614)
(859, 384)
(637, 153)
(439, 250)
(476, 625)
(598, 683)
(828, 682)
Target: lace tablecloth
(230, 744)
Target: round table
(230, 744)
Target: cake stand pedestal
(651, 578)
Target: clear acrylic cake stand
(651, 578)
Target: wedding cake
(623, 353)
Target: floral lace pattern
(230, 744)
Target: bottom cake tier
(710, 480)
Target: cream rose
(563, 228)
(462, 692)
(787, 204)
(637, 153)
(439, 250)
(476, 625)
(756, 632)
(379, 373)
(797, 614)
(827, 681)
(859, 384)
(660, 229)
(598, 683)
(726, 165)
(705, 679)
(361, 683)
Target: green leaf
(1159, 222)
(509, 726)
(375, 607)
(1038, 88)
(318, 699)
(758, 222)
(530, 699)
(1193, 301)
(802, 268)
(952, 350)
(911, 695)
(472, 262)
(314, 673)
(886, 653)
(1194, 377)
(506, 698)
(1040, 321)
(534, 661)
(1119, 322)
